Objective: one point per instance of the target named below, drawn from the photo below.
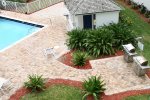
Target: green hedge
(77, 39)
(99, 42)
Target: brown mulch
(19, 93)
(135, 10)
(118, 53)
(67, 60)
(23, 91)
(119, 96)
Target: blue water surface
(12, 31)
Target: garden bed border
(119, 96)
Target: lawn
(142, 28)
(56, 92)
(139, 97)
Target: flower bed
(118, 53)
(67, 60)
(119, 96)
(23, 91)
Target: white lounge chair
(50, 51)
(5, 84)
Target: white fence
(27, 7)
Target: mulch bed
(118, 53)
(23, 91)
(66, 59)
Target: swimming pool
(12, 31)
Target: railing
(27, 7)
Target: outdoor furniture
(129, 52)
(140, 65)
(50, 52)
(5, 84)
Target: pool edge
(19, 41)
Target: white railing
(27, 7)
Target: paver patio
(118, 75)
(27, 57)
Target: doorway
(87, 21)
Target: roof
(90, 6)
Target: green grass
(56, 92)
(139, 97)
(142, 28)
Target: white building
(90, 14)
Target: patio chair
(50, 51)
(5, 84)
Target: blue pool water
(12, 31)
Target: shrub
(122, 34)
(134, 5)
(76, 39)
(93, 86)
(147, 14)
(99, 42)
(104, 40)
(142, 9)
(35, 83)
(124, 19)
(79, 58)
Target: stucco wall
(79, 21)
(106, 18)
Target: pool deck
(27, 57)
